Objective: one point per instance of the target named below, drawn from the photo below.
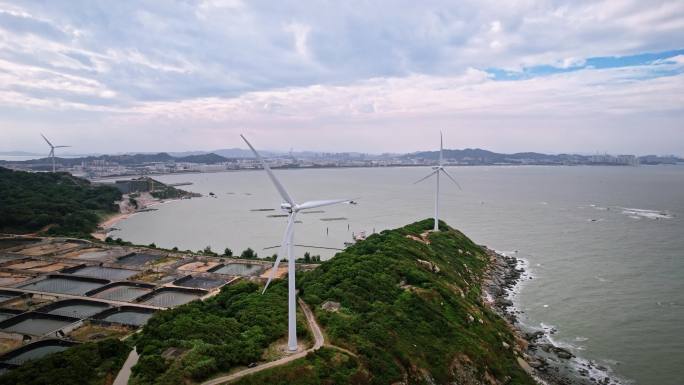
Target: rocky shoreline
(547, 362)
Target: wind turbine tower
(436, 171)
(291, 208)
(52, 151)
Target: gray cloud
(215, 67)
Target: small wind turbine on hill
(52, 151)
(437, 170)
(291, 208)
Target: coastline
(125, 212)
(548, 362)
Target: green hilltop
(410, 310)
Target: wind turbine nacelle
(436, 167)
(286, 207)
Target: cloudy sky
(372, 76)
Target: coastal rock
(525, 366)
(562, 353)
(534, 336)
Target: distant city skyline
(548, 77)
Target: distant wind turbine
(292, 208)
(52, 151)
(437, 169)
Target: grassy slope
(229, 330)
(65, 204)
(418, 333)
(86, 364)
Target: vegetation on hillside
(411, 309)
(52, 203)
(86, 364)
(199, 339)
(325, 366)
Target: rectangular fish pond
(7, 295)
(35, 324)
(35, 351)
(110, 273)
(242, 269)
(171, 296)
(8, 313)
(8, 243)
(127, 315)
(199, 282)
(65, 284)
(137, 259)
(121, 291)
(76, 308)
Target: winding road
(319, 341)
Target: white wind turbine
(52, 151)
(437, 169)
(292, 209)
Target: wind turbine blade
(429, 175)
(48, 142)
(276, 182)
(441, 147)
(286, 237)
(61, 146)
(314, 204)
(452, 179)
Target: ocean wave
(583, 368)
(650, 214)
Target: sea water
(605, 244)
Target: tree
(248, 254)
(307, 257)
(228, 252)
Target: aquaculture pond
(109, 273)
(36, 325)
(137, 259)
(242, 269)
(129, 316)
(170, 298)
(64, 285)
(36, 351)
(6, 314)
(122, 293)
(79, 309)
(199, 282)
(5, 295)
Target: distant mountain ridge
(480, 156)
(131, 159)
(472, 156)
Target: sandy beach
(145, 202)
(105, 225)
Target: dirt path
(319, 341)
(125, 372)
